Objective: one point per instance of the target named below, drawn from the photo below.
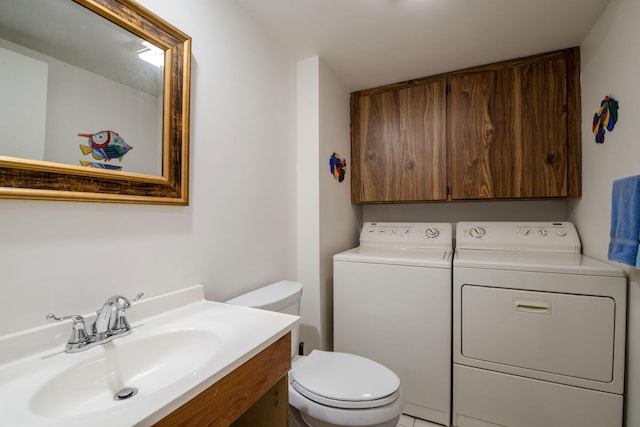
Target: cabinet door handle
(532, 306)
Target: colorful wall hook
(605, 118)
(338, 166)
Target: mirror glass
(95, 107)
(78, 89)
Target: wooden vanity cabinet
(514, 129)
(503, 131)
(398, 142)
(254, 394)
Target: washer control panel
(509, 236)
(407, 234)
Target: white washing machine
(392, 304)
(538, 329)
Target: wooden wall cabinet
(509, 130)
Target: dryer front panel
(551, 332)
(564, 328)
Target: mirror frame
(40, 180)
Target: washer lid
(344, 380)
(433, 258)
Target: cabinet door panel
(542, 100)
(481, 138)
(379, 145)
(509, 130)
(399, 144)
(421, 168)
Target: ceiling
(369, 43)
(69, 32)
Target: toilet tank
(283, 297)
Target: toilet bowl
(330, 389)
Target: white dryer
(392, 304)
(538, 329)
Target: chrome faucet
(106, 327)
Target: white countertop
(180, 345)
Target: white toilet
(330, 389)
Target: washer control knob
(542, 232)
(526, 232)
(561, 232)
(431, 232)
(477, 232)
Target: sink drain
(125, 393)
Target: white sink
(169, 358)
(147, 364)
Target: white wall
(339, 220)
(239, 231)
(515, 210)
(23, 80)
(327, 222)
(308, 190)
(610, 65)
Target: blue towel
(625, 220)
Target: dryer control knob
(431, 232)
(561, 232)
(477, 232)
(542, 232)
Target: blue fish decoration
(105, 145)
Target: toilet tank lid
(271, 297)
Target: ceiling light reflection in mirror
(78, 89)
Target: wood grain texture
(574, 120)
(477, 134)
(421, 171)
(399, 141)
(271, 410)
(379, 142)
(542, 92)
(226, 400)
(512, 129)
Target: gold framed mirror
(97, 178)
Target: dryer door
(564, 334)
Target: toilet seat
(342, 380)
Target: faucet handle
(122, 303)
(79, 337)
(121, 325)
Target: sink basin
(147, 364)
(180, 345)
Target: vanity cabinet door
(514, 130)
(398, 142)
(254, 394)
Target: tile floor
(407, 421)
